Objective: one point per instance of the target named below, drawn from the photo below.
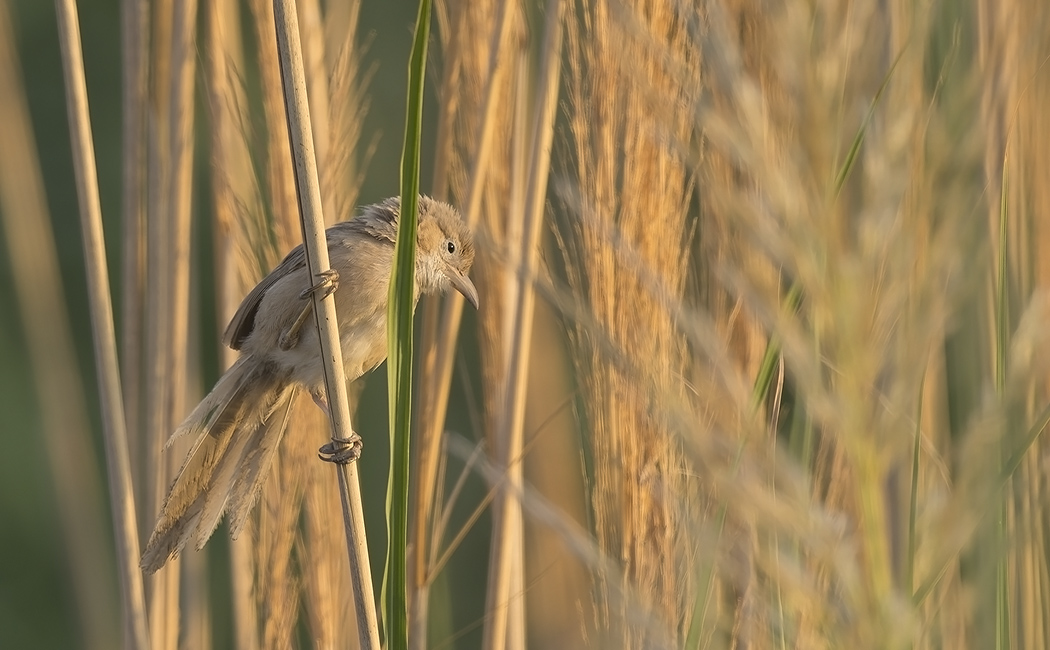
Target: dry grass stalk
(118, 462)
(507, 583)
(327, 590)
(277, 582)
(344, 154)
(489, 125)
(436, 387)
(1014, 89)
(236, 204)
(314, 243)
(45, 322)
(632, 182)
(158, 416)
(168, 248)
(279, 176)
(135, 99)
(156, 425)
(426, 454)
(195, 623)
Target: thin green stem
(1002, 333)
(913, 499)
(399, 338)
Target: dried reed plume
(627, 258)
(829, 160)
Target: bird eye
(451, 247)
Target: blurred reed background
(761, 361)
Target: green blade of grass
(1002, 344)
(399, 345)
(771, 358)
(913, 498)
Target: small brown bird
(239, 424)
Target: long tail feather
(240, 478)
(246, 488)
(226, 423)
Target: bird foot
(328, 284)
(289, 338)
(341, 451)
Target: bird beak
(463, 285)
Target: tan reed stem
(158, 417)
(229, 163)
(507, 511)
(116, 438)
(41, 304)
(135, 97)
(316, 248)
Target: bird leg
(329, 283)
(338, 450)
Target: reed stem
(101, 305)
(308, 191)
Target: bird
(238, 426)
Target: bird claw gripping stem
(328, 284)
(341, 451)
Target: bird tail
(238, 427)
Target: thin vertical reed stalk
(46, 325)
(315, 245)
(455, 25)
(169, 309)
(184, 59)
(231, 185)
(193, 589)
(507, 556)
(312, 38)
(158, 417)
(156, 421)
(335, 88)
(280, 172)
(134, 96)
(117, 460)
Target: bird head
(445, 250)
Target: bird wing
(382, 226)
(243, 322)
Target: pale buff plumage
(239, 424)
